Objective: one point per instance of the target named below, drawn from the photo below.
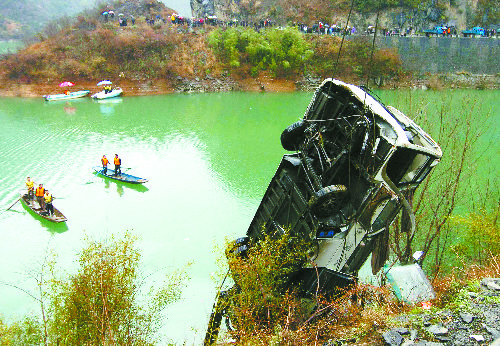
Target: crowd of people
(318, 27)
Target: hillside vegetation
(24, 18)
(90, 48)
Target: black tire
(328, 200)
(293, 136)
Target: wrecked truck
(352, 162)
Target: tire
(328, 200)
(293, 136)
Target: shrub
(261, 297)
(100, 304)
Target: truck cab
(477, 30)
(437, 30)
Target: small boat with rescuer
(107, 95)
(128, 178)
(37, 208)
(67, 96)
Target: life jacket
(48, 198)
(30, 184)
(104, 161)
(117, 161)
(39, 191)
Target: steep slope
(21, 18)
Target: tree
(457, 130)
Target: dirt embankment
(153, 87)
(262, 83)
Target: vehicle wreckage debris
(354, 160)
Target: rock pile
(475, 321)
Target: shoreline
(210, 84)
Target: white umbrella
(104, 82)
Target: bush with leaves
(262, 297)
(28, 331)
(478, 238)
(283, 52)
(101, 304)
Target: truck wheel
(293, 136)
(328, 200)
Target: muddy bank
(209, 84)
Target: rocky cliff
(417, 14)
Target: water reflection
(121, 185)
(107, 107)
(69, 108)
(52, 227)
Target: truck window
(408, 166)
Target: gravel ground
(474, 320)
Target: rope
(368, 75)
(342, 42)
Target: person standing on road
(118, 163)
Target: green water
(208, 158)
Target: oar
(94, 175)
(17, 200)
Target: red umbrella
(66, 84)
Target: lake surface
(208, 158)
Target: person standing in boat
(105, 163)
(48, 203)
(30, 186)
(39, 193)
(118, 163)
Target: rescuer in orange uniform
(105, 163)
(118, 162)
(48, 203)
(30, 185)
(39, 193)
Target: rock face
(240, 10)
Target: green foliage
(100, 304)
(28, 331)
(487, 13)
(364, 6)
(478, 236)
(282, 52)
(261, 297)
